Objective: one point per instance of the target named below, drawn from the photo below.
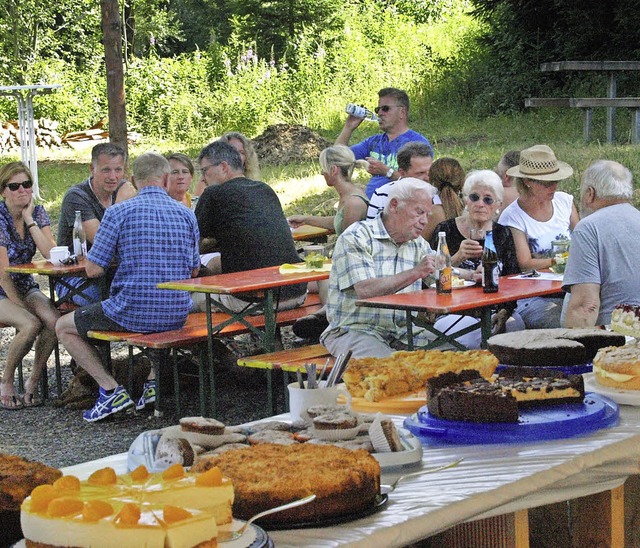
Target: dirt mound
(285, 144)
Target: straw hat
(539, 162)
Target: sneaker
(148, 394)
(108, 404)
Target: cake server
(391, 487)
(227, 536)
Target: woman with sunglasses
(538, 217)
(24, 227)
(483, 193)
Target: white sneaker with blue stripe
(108, 404)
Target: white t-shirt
(380, 197)
(541, 234)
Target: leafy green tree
(33, 29)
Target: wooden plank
(592, 102)
(598, 520)
(504, 531)
(590, 65)
(546, 102)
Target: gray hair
(108, 149)
(609, 179)
(404, 190)
(509, 159)
(221, 151)
(341, 156)
(150, 166)
(484, 178)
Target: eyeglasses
(181, 171)
(15, 186)
(203, 170)
(385, 108)
(488, 200)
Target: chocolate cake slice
(469, 397)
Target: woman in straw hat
(538, 217)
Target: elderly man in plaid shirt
(153, 239)
(381, 256)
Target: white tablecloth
(492, 480)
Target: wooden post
(611, 111)
(598, 520)
(504, 531)
(112, 38)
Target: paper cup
(58, 254)
(300, 399)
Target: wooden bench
(194, 333)
(44, 381)
(588, 104)
(287, 361)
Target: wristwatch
(390, 173)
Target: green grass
(477, 144)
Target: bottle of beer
(79, 238)
(490, 269)
(443, 265)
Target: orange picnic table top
(246, 281)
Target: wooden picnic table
(464, 301)
(264, 283)
(613, 68)
(311, 233)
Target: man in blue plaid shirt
(153, 239)
(381, 256)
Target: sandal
(10, 402)
(31, 400)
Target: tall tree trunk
(112, 38)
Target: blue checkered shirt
(153, 239)
(362, 252)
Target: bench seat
(287, 361)
(194, 332)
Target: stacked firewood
(46, 133)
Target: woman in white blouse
(538, 217)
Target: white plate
(623, 397)
(467, 283)
(412, 452)
(254, 536)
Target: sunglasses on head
(385, 108)
(15, 186)
(486, 199)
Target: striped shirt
(154, 239)
(365, 251)
(380, 198)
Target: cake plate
(566, 369)
(544, 423)
(618, 395)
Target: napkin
(302, 267)
(543, 276)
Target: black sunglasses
(24, 184)
(486, 199)
(385, 108)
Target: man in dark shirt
(246, 222)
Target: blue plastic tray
(567, 370)
(546, 423)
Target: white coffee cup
(300, 399)
(58, 253)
